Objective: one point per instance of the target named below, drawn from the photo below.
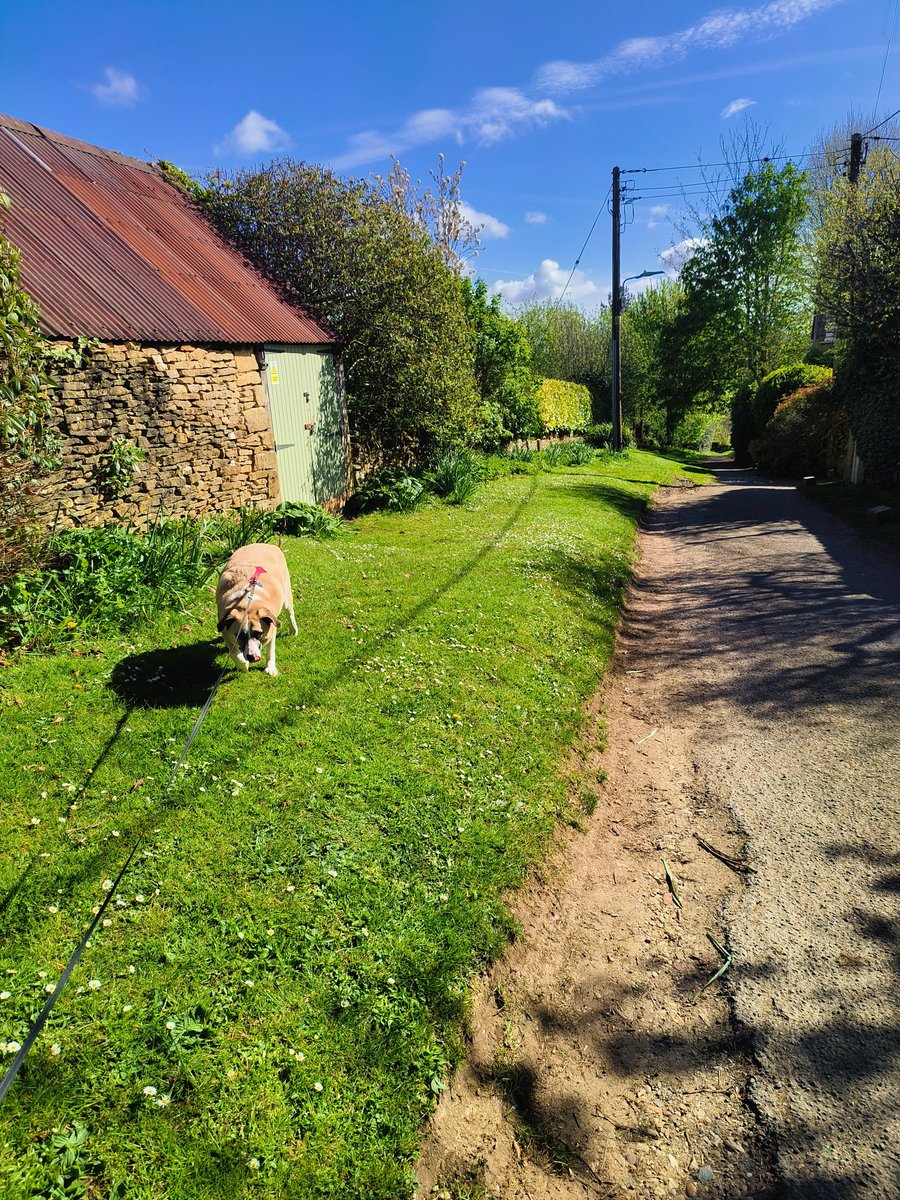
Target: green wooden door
(309, 423)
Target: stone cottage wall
(199, 414)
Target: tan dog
(253, 589)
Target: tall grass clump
(453, 475)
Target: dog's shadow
(177, 678)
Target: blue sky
(540, 99)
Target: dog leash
(38, 1024)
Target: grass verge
(276, 999)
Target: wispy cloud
(253, 135)
(535, 218)
(120, 88)
(547, 283)
(735, 107)
(495, 114)
(492, 115)
(718, 30)
(488, 227)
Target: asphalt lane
(782, 629)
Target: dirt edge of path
(596, 1065)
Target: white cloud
(676, 256)
(255, 133)
(492, 115)
(547, 283)
(718, 30)
(535, 218)
(735, 107)
(120, 88)
(659, 210)
(488, 227)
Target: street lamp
(617, 298)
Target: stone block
(257, 420)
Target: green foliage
(396, 491)
(647, 321)
(506, 380)
(600, 435)
(564, 407)
(28, 448)
(745, 306)
(118, 466)
(858, 259)
(365, 269)
(453, 475)
(114, 577)
(780, 383)
(570, 344)
(306, 520)
(806, 434)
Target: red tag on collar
(256, 574)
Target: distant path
(788, 630)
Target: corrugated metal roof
(110, 249)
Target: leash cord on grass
(38, 1024)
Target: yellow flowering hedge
(564, 406)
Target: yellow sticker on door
(274, 375)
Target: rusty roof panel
(110, 249)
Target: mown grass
(288, 960)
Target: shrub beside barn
(191, 385)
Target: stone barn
(191, 386)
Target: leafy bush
(306, 520)
(108, 576)
(599, 435)
(780, 383)
(454, 476)
(807, 434)
(565, 407)
(112, 576)
(396, 491)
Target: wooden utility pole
(616, 313)
(855, 157)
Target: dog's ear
(226, 620)
(267, 620)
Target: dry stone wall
(199, 415)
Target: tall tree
(746, 306)
(361, 265)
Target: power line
(886, 54)
(740, 162)
(586, 240)
(880, 123)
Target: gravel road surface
(789, 626)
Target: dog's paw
(273, 671)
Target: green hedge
(564, 407)
(807, 434)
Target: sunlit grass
(287, 962)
